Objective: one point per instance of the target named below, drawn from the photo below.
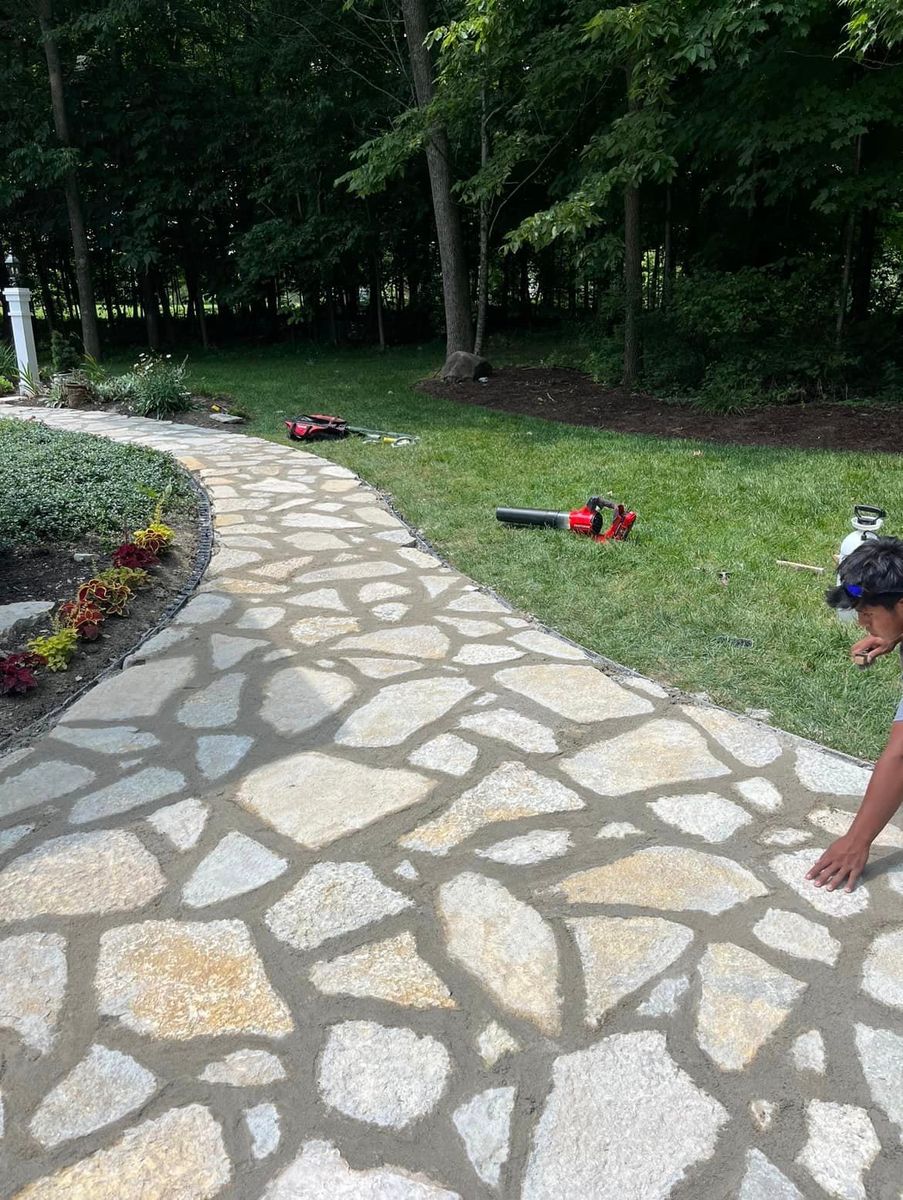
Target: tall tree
(455, 280)
(86, 301)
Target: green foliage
(159, 386)
(6, 387)
(56, 648)
(64, 356)
(9, 367)
(59, 487)
(59, 384)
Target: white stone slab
(512, 727)
(182, 823)
(484, 1124)
(382, 1075)
(236, 866)
(792, 870)
(705, 815)
(320, 1173)
(797, 935)
(102, 1088)
(841, 1146)
(144, 787)
(140, 691)
(529, 848)
(299, 698)
(400, 709)
(390, 970)
(332, 899)
(32, 986)
(509, 793)
(657, 1124)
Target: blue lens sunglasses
(856, 591)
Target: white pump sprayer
(866, 521)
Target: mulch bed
(558, 394)
(52, 573)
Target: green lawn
(654, 603)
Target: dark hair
(877, 567)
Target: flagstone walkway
(356, 884)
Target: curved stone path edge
(355, 882)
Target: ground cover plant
(58, 487)
(656, 603)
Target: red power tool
(587, 520)
(319, 426)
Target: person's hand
(843, 859)
(871, 647)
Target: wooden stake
(783, 562)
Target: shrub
(159, 386)
(130, 555)
(6, 388)
(57, 486)
(56, 648)
(17, 672)
(9, 365)
(63, 355)
(117, 389)
(131, 577)
(82, 616)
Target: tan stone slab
(666, 877)
(659, 752)
(582, 694)
(186, 979)
(391, 970)
(511, 792)
(106, 871)
(620, 954)
(505, 944)
(316, 798)
(744, 1000)
(298, 698)
(400, 709)
(320, 1173)
(179, 1156)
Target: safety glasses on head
(857, 592)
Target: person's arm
(846, 858)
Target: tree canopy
(717, 184)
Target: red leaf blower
(587, 520)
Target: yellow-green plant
(57, 647)
(131, 577)
(156, 537)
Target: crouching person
(871, 582)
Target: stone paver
(357, 884)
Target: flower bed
(110, 576)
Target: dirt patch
(53, 573)
(558, 394)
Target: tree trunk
(151, 311)
(861, 285)
(376, 301)
(848, 242)
(668, 253)
(86, 303)
(633, 282)
(483, 267)
(632, 285)
(455, 288)
(47, 301)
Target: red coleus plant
(82, 616)
(131, 555)
(17, 672)
(111, 598)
